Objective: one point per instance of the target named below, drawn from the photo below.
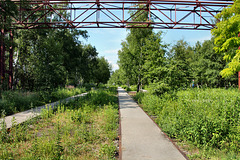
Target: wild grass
(206, 121)
(130, 88)
(17, 101)
(82, 129)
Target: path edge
(184, 155)
(120, 131)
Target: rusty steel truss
(162, 14)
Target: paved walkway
(26, 115)
(141, 138)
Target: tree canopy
(144, 58)
(50, 58)
(227, 37)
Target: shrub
(158, 88)
(207, 118)
(15, 101)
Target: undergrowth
(130, 88)
(207, 121)
(85, 128)
(17, 101)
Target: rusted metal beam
(112, 13)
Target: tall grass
(208, 119)
(81, 129)
(130, 88)
(17, 101)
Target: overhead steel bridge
(161, 14)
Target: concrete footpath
(141, 138)
(26, 115)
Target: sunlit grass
(206, 121)
(17, 101)
(82, 129)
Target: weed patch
(85, 128)
(208, 119)
(15, 101)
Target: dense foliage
(207, 118)
(17, 101)
(145, 60)
(175, 69)
(82, 129)
(53, 58)
(227, 37)
(45, 59)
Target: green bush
(101, 97)
(124, 86)
(15, 101)
(206, 118)
(133, 88)
(158, 88)
(62, 93)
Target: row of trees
(145, 59)
(49, 58)
(53, 58)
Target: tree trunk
(138, 84)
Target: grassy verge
(82, 129)
(206, 122)
(17, 101)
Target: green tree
(72, 53)
(102, 71)
(52, 58)
(126, 65)
(49, 70)
(88, 63)
(207, 64)
(8, 9)
(180, 56)
(131, 57)
(117, 78)
(227, 38)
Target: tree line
(145, 59)
(53, 58)
(50, 58)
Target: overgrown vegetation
(82, 129)
(17, 101)
(129, 88)
(146, 59)
(205, 121)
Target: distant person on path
(193, 85)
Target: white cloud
(200, 39)
(112, 59)
(110, 51)
(115, 67)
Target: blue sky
(108, 41)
